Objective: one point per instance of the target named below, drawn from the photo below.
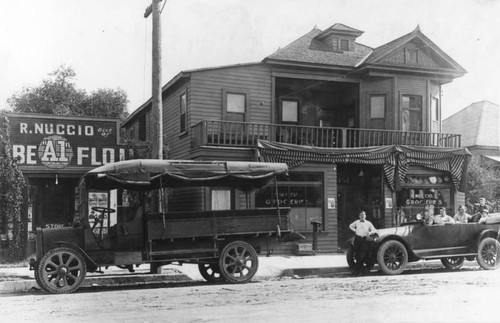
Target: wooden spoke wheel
(487, 253)
(352, 262)
(238, 262)
(453, 262)
(211, 272)
(61, 270)
(392, 257)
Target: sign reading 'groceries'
(58, 142)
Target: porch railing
(243, 134)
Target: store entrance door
(360, 188)
(52, 201)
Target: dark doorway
(52, 201)
(360, 188)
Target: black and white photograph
(250, 161)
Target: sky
(108, 42)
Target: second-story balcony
(243, 134)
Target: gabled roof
(382, 54)
(479, 124)
(340, 29)
(309, 49)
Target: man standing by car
(363, 229)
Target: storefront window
(415, 200)
(303, 193)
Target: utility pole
(157, 113)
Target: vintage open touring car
(452, 243)
(147, 228)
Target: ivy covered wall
(13, 220)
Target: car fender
(91, 265)
(488, 233)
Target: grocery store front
(392, 184)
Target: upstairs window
(183, 110)
(435, 120)
(235, 103)
(289, 111)
(377, 106)
(411, 113)
(142, 135)
(235, 106)
(344, 45)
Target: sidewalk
(21, 279)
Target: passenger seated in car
(442, 217)
(478, 212)
(461, 216)
(484, 215)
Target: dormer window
(344, 45)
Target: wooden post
(156, 112)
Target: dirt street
(428, 295)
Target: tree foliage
(12, 184)
(483, 182)
(58, 95)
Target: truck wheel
(61, 270)
(238, 262)
(211, 272)
(487, 253)
(392, 257)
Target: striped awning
(451, 160)
(296, 155)
(393, 158)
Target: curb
(23, 286)
(314, 271)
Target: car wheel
(487, 253)
(453, 262)
(392, 257)
(351, 261)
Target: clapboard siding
(178, 145)
(207, 88)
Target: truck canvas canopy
(153, 174)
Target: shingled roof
(313, 49)
(308, 49)
(478, 124)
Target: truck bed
(174, 225)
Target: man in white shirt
(362, 229)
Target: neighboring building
(53, 152)
(317, 104)
(479, 125)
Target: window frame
(297, 112)
(183, 113)
(409, 109)
(370, 107)
(231, 193)
(344, 42)
(229, 115)
(289, 183)
(142, 128)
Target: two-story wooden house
(359, 128)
